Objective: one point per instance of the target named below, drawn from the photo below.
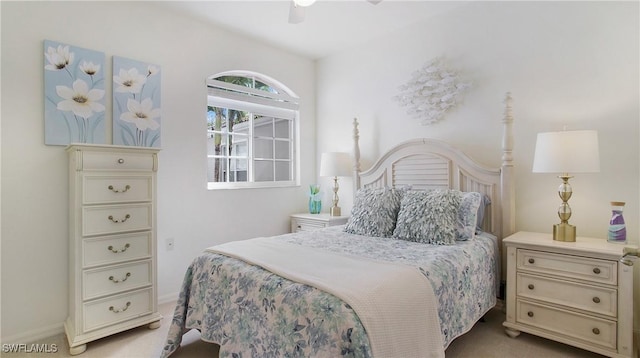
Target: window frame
(281, 105)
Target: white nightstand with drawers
(576, 293)
(308, 222)
(112, 242)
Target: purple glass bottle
(617, 228)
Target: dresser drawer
(115, 309)
(585, 297)
(576, 267)
(101, 220)
(307, 225)
(117, 161)
(114, 249)
(115, 279)
(100, 189)
(591, 330)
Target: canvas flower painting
(136, 103)
(74, 95)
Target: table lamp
(566, 152)
(335, 164)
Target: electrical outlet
(169, 244)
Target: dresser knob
(596, 270)
(117, 221)
(531, 260)
(530, 286)
(126, 188)
(116, 310)
(115, 251)
(111, 278)
(596, 300)
(595, 331)
(530, 314)
(120, 161)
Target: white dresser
(576, 293)
(309, 222)
(112, 241)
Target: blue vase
(315, 206)
(315, 203)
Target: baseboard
(35, 335)
(171, 297)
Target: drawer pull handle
(531, 260)
(115, 280)
(596, 299)
(126, 188)
(595, 331)
(530, 286)
(596, 270)
(116, 251)
(119, 221)
(120, 161)
(115, 310)
(530, 314)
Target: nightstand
(309, 222)
(576, 293)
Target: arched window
(252, 126)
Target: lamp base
(335, 211)
(564, 232)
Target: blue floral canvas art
(74, 96)
(136, 103)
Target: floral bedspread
(249, 311)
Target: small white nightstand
(576, 293)
(308, 222)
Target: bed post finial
(356, 157)
(507, 132)
(507, 173)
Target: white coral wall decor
(432, 90)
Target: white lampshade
(567, 152)
(335, 164)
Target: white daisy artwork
(136, 103)
(74, 96)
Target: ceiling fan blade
(296, 13)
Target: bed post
(356, 157)
(508, 189)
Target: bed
(417, 265)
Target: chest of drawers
(577, 293)
(112, 242)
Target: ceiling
(329, 27)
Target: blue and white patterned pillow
(428, 217)
(468, 215)
(374, 212)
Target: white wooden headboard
(431, 164)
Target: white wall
(34, 176)
(573, 63)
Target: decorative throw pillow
(428, 217)
(374, 212)
(467, 215)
